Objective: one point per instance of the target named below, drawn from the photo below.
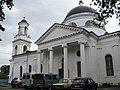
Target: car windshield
(15, 79)
(39, 76)
(78, 81)
(64, 81)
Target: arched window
(109, 65)
(24, 49)
(16, 50)
(25, 31)
(73, 24)
(21, 69)
(30, 68)
(88, 23)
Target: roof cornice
(24, 54)
(109, 35)
(80, 31)
(78, 16)
(67, 36)
(21, 40)
(60, 26)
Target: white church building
(74, 48)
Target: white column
(83, 64)
(51, 60)
(65, 61)
(38, 62)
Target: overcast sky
(40, 14)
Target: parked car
(84, 84)
(27, 80)
(41, 81)
(63, 84)
(16, 82)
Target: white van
(27, 80)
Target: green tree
(107, 8)
(9, 4)
(4, 71)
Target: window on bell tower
(24, 49)
(25, 31)
(16, 50)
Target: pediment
(56, 31)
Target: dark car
(16, 82)
(41, 81)
(84, 84)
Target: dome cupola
(81, 9)
(78, 14)
(83, 16)
(23, 22)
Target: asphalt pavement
(8, 87)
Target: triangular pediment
(57, 31)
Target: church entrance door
(61, 70)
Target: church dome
(82, 16)
(23, 21)
(81, 9)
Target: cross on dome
(23, 18)
(81, 2)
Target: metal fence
(3, 80)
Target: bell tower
(22, 41)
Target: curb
(4, 85)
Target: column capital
(64, 45)
(50, 49)
(82, 42)
(39, 51)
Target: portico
(64, 53)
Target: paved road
(8, 87)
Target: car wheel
(50, 88)
(13, 86)
(85, 89)
(68, 89)
(95, 88)
(38, 88)
(20, 85)
(26, 87)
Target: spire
(81, 2)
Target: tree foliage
(107, 8)
(9, 4)
(4, 71)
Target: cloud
(5, 54)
